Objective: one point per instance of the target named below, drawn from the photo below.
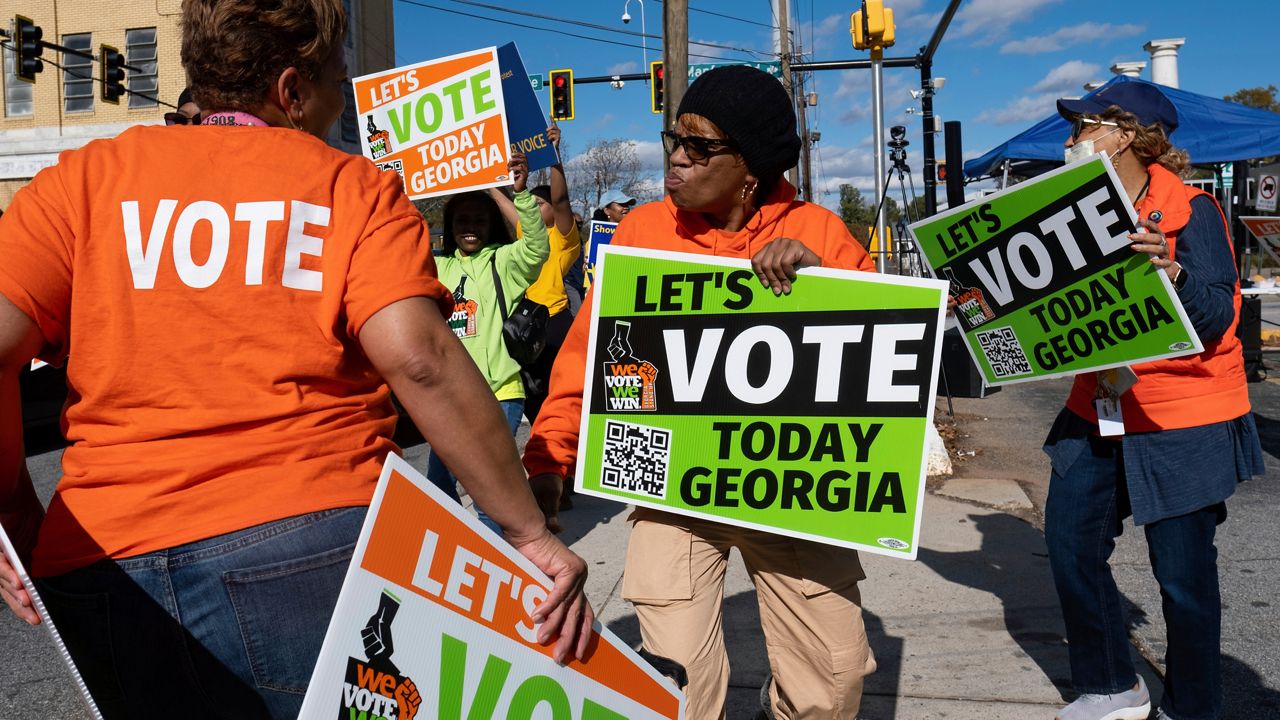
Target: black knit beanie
(753, 109)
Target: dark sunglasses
(696, 148)
(1079, 124)
(177, 118)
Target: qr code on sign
(1004, 352)
(397, 165)
(636, 458)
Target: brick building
(63, 109)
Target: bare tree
(604, 166)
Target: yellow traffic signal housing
(856, 31)
(657, 86)
(872, 28)
(875, 18)
(561, 82)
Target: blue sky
(1005, 61)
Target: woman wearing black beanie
(734, 138)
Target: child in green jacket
(476, 242)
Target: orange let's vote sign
(441, 124)
(434, 621)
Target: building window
(140, 52)
(17, 94)
(77, 74)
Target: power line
(90, 77)
(729, 17)
(543, 29)
(593, 26)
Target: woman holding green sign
(726, 196)
(1186, 435)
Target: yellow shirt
(548, 289)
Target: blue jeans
(228, 627)
(1083, 517)
(443, 478)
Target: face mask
(1082, 149)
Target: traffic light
(858, 31)
(872, 27)
(28, 35)
(656, 86)
(111, 70)
(561, 94)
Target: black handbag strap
(497, 284)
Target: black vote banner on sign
(1064, 275)
(647, 343)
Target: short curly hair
(233, 50)
(1150, 143)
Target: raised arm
(506, 207)
(560, 205)
(428, 369)
(524, 258)
(20, 509)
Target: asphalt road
(1003, 432)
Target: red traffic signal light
(562, 94)
(30, 47)
(111, 70)
(656, 86)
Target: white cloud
(652, 157)
(1067, 78)
(626, 68)
(853, 82)
(1024, 109)
(1071, 35)
(988, 20)
(832, 24)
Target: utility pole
(806, 143)
(783, 10)
(675, 58)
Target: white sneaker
(1129, 705)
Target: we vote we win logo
(463, 320)
(629, 382)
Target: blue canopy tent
(1212, 131)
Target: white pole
(644, 41)
(877, 120)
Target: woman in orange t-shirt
(236, 336)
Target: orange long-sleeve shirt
(553, 446)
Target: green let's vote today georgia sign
(803, 415)
(1046, 282)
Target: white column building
(1164, 60)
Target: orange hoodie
(553, 447)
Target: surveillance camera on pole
(626, 16)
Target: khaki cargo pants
(809, 608)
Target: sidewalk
(970, 630)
